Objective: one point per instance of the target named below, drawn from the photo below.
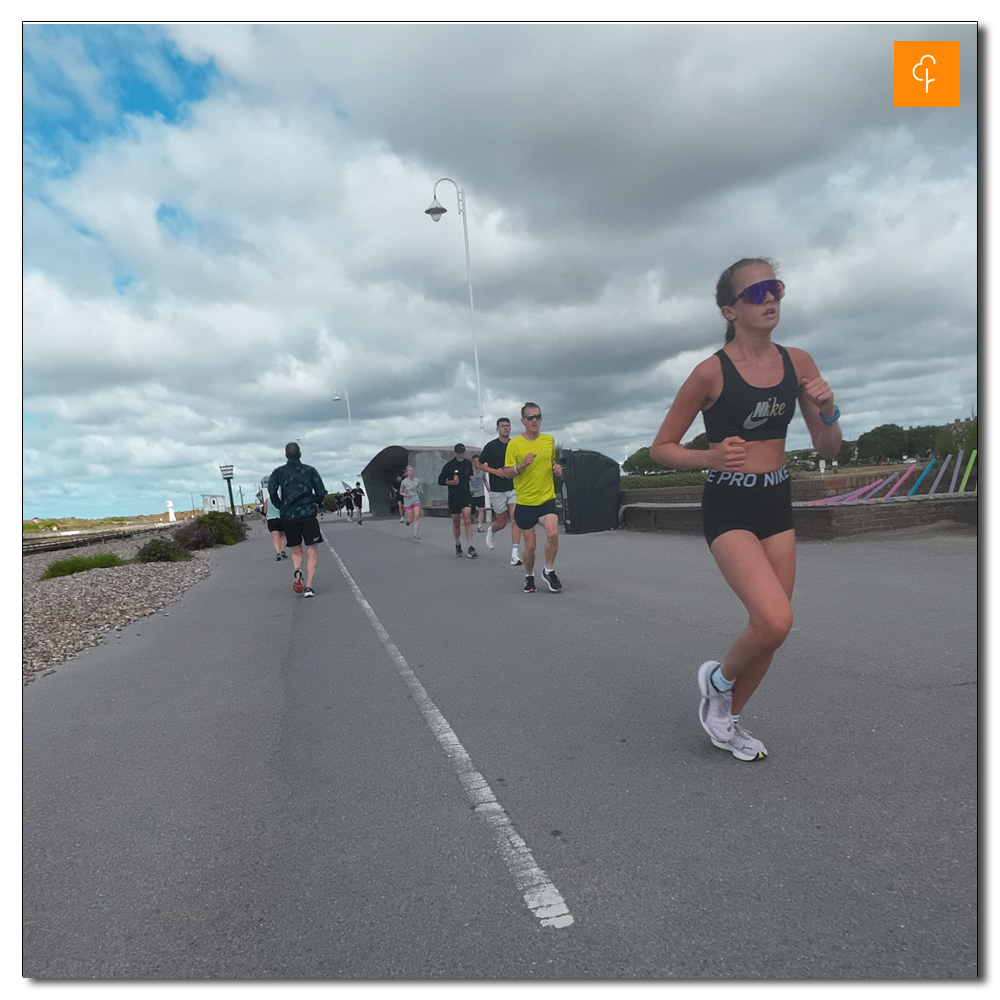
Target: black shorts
(478, 503)
(760, 503)
(526, 517)
(457, 504)
(274, 524)
(304, 532)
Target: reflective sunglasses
(754, 295)
(533, 416)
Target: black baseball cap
(459, 446)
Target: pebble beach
(63, 616)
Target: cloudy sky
(224, 225)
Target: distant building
(212, 501)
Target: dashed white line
(540, 895)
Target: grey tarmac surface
(244, 787)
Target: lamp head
(436, 210)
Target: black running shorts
(526, 517)
(274, 524)
(305, 532)
(760, 503)
(457, 504)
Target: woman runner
(746, 393)
(410, 489)
(272, 514)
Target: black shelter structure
(591, 483)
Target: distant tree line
(891, 443)
(885, 443)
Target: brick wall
(820, 522)
(820, 487)
(860, 519)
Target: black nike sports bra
(748, 411)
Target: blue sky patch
(82, 82)
(177, 222)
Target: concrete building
(379, 476)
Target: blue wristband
(831, 420)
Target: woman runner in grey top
(411, 488)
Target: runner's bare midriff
(764, 456)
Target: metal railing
(52, 541)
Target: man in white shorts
(477, 487)
(502, 495)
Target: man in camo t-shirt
(298, 491)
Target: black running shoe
(458, 551)
(308, 592)
(552, 580)
(472, 553)
(529, 584)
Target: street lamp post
(227, 474)
(435, 211)
(336, 398)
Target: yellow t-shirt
(535, 484)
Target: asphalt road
(254, 785)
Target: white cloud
(204, 287)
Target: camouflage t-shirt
(297, 489)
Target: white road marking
(540, 895)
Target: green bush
(195, 535)
(161, 550)
(79, 564)
(214, 528)
(228, 529)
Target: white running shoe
(489, 537)
(515, 559)
(742, 744)
(715, 710)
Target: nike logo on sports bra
(763, 412)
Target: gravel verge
(63, 616)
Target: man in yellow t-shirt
(531, 463)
